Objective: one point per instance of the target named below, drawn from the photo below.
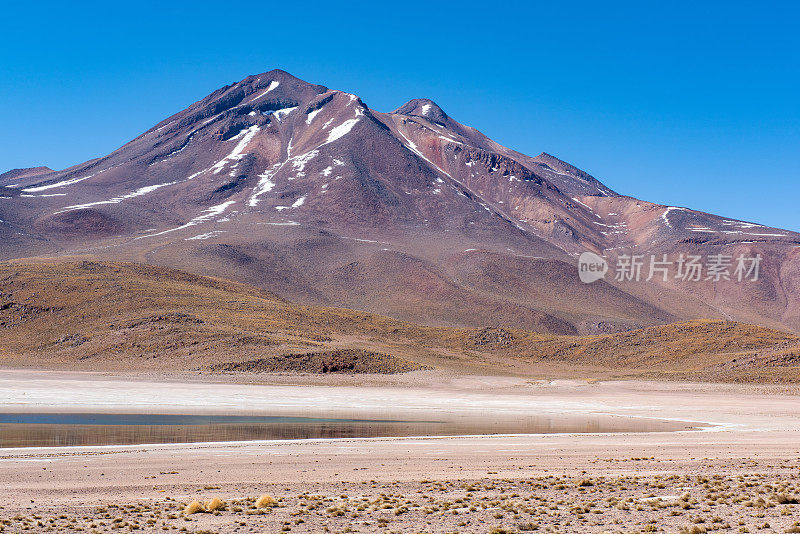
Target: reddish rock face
(310, 193)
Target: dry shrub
(266, 501)
(194, 507)
(215, 504)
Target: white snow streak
(207, 214)
(64, 183)
(311, 115)
(666, 213)
(176, 151)
(116, 200)
(158, 129)
(752, 234)
(743, 224)
(299, 162)
(297, 203)
(264, 185)
(208, 235)
(246, 136)
(340, 131)
(450, 140)
(287, 223)
(581, 203)
(281, 113)
(273, 85)
(410, 144)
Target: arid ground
(739, 473)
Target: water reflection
(40, 429)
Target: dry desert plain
(737, 471)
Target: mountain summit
(307, 191)
(423, 107)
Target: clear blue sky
(688, 103)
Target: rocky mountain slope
(309, 193)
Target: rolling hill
(104, 316)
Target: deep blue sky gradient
(684, 103)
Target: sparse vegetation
(674, 503)
(194, 507)
(215, 504)
(116, 316)
(266, 501)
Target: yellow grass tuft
(215, 504)
(194, 507)
(266, 501)
(785, 499)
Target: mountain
(309, 193)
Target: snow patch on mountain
(265, 184)
(281, 113)
(450, 140)
(63, 183)
(287, 223)
(157, 129)
(299, 162)
(665, 215)
(581, 203)
(205, 216)
(207, 235)
(340, 131)
(245, 136)
(272, 86)
(176, 151)
(311, 115)
(742, 224)
(116, 200)
(296, 204)
(411, 146)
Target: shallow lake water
(73, 429)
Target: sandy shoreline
(754, 432)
